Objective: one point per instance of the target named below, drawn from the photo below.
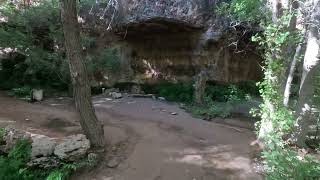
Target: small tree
(81, 88)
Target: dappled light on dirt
(216, 157)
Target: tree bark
(81, 88)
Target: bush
(13, 166)
(285, 163)
(218, 98)
(232, 93)
(36, 36)
(206, 111)
(22, 92)
(107, 59)
(180, 92)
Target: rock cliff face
(192, 12)
(170, 40)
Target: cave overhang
(158, 26)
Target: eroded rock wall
(171, 40)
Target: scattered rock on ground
(42, 146)
(108, 91)
(72, 148)
(45, 162)
(113, 162)
(93, 159)
(116, 95)
(162, 98)
(174, 113)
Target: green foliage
(274, 40)
(21, 92)
(180, 92)
(231, 93)
(35, 35)
(2, 131)
(107, 59)
(183, 92)
(13, 167)
(212, 110)
(219, 99)
(284, 163)
(243, 10)
(63, 172)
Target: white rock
(116, 95)
(37, 94)
(73, 148)
(42, 146)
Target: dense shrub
(107, 59)
(21, 92)
(180, 92)
(285, 163)
(35, 35)
(233, 92)
(13, 166)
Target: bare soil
(148, 139)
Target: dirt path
(147, 142)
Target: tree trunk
(200, 87)
(287, 90)
(311, 67)
(81, 88)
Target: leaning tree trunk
(311, 66)
(81, 88)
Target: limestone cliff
(171, 40)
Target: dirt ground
(148, 139)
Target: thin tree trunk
(81, 88)
(287, 90)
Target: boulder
(42, 146)
(72, 148)
(110, 90)
(116, 95)
(37, 94)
